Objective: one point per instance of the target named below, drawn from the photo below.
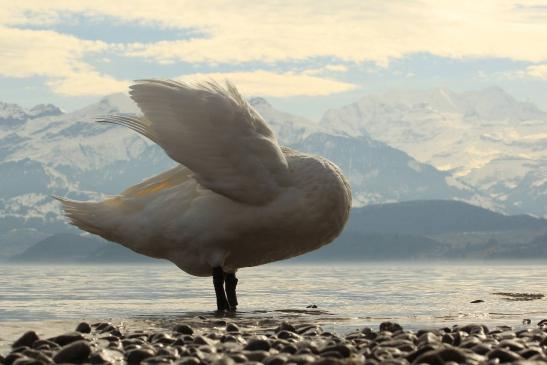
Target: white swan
(237, 199)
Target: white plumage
(237, 199)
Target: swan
(236, 199)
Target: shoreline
(297, 337)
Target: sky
(303, 56)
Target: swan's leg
(231, 283)
(218, 282)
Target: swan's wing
(215, 133)
(165, 180)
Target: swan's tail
(93, 217)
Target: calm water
(415, 294)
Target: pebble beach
(229, 340)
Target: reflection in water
(356, 294)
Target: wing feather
(214, 132)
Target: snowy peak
(489, 104)
(259, 102)
(119, 103)
(468, 134)
(289, 128)
(11, 115)
(494, 103)
(44, 110)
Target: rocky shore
(225, 341)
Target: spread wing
(214, 132)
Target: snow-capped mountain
(70, 155)
(12, 115)
(377, 172)
(476, 136)
(520, 184)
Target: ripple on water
(421, 294)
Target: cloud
(539, 71)
(330, 68)
(274, 31)
(58, 57)
(87, 83)
(238, 32)
(266, 83)
(26, 53)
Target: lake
(416, 295)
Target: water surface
(347, 295)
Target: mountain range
(486, 139)
(481, 147)
(422, 229)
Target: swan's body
(238, 199)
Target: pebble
(74, 352)
(27, 339)
(390, 326)
(67, 338)
(232, 327)
(137, 355)
(504, 355)
(272, 342)
(258, 345)
(285, 326)
(184, 329)
(83, 327)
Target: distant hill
(426, 217)
(61, 248)
(71, 248)
(360, 246)
(409, 230)
(114, 252)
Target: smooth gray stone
(301, 359)
(27, 339)
(512, 345)
(67, 338)
(28, 361)
(83, 327)
(275, 360)
(201, 340)
(183, 329)
(238, 358)
(256, 355)
(258, 345)
(481, 349)
(74, 352)
(232, 327)
(45, 345)
(343, 350)
(331, 361)
(137, 355)
(285, 326)
(474, 328)
(10, 359)
(504, 355)
(224, 361)
(284, 334)
(98, 358)
(189, 360)
(390, 326)
(157, 360)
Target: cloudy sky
(304, 56)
